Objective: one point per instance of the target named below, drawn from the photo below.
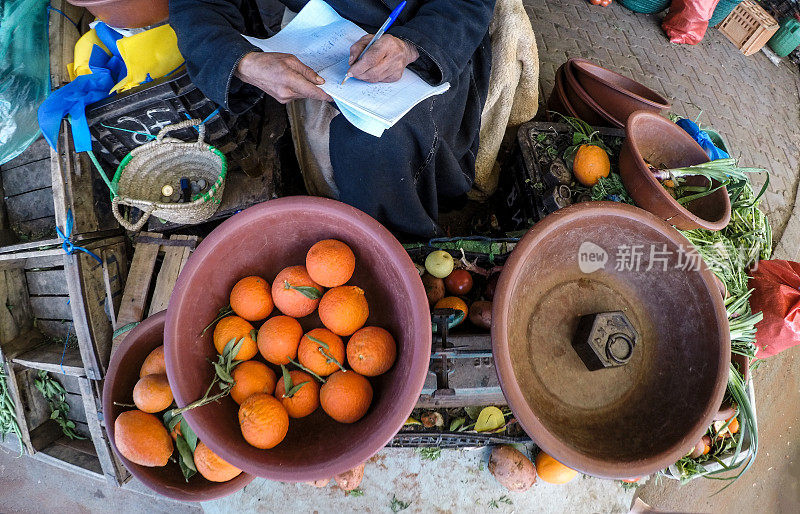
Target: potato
(434, 288)
(322, 482)
(480, 314)
(512, 469)
(350, 479)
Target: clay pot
(123, 373)
(558, 101)
(262, 240)
(582, 103)
(664, 144)
(617, 422)
(618, 95)
(127, 13)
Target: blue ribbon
(70, 247)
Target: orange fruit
(213, 467)
(251, 377)
(552, 471)
(346, 396)
(234, 327)
(152, 393)
(310, 355)
(453, 302)
(176, 431)
(344, 309)
(263, 420)
(251, 299)
(305, 400)
(154, 363)
(330, 263)
(142, 438)
(590, 164)
(294, 293)
(371, 351)
(278, 338)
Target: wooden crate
(63, 36)
(749, 27)
(43, 439)
(157, 262)
(55, 308)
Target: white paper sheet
(321, 39)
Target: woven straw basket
(143, 172)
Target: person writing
(429, 154)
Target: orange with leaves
(295, 293)
(141, 438)
(371, 351)
(321, 351)
(263, 420)
(234, 327)
(251, 298)
(213, 467)
(278, 339)
(346, 396)
(154, 363)
(152, 393)
(251, 377)
(330, 263)
(303, 396)
(344, 309)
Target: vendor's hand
(384, 61)
(281, 76)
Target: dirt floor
(755, 105)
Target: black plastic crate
(452, 440)
(117, 123)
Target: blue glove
(702, 139)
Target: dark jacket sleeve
(446, 33)
(209, 38)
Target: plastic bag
(702, 139)
(24, 72)
(776, 293)
(687, 20)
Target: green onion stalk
(8, 413)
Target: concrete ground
(755, 106)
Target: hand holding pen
(382, 57)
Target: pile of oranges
(269, 396)
(142, 437)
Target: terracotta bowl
(261, 241)
(123, 373)
(558, 101)
(127, 13)
(618, 422)
(618, 95)
(582, 103)
(664, 144)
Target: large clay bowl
(123, 373)
(664, 144)
(558, 101)
(618, 95)
(582, 103)
(618, 422)
(127, 13)
(261, 241)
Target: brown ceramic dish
(664, 144)
(618, 422)
(558, 101)
(582, 103)
(262, 240)
(127, 13)
(123, 373)
(618, 95)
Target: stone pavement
(754, 104)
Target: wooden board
(30, 206)
(51, 307)
(37, 151)
(63, 35)
(28, 177)
(49, 282)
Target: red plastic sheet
(687, 20)
(776, 293)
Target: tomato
(459, 282)
(595, 2)
(605, 3)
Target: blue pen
(388, 23)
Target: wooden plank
(84, 446)
(175, 258)
(52, 357)
(45, 435)
(9, 329)
(15, 391)
(17, 315)
(50, 282)
(51, 307)
(28, 177)
(114, 471)
(55, 329)
(32, 259)
(64, 457)
(140, 275)
(63, 35)
(42, 229)
(30, 206)
(115, 273)
(37, 151)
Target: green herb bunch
(8, 413)
(56, 397)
